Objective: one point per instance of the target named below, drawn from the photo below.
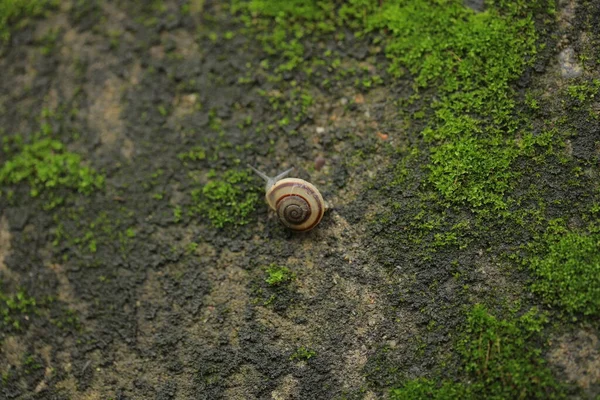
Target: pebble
(319, 162)
(569, 68)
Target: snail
(298, 203)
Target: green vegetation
(46, 164)
(421, 388)
(227, 201)
(13, 308)
(192, 7)
(582, 96)
(177, 214)
(284, 24)
(463, 66)
(68, 320)
(303, 353)
(14, 11)
(31, 364)
(48, 41)
(503, 356)
(584, 92)
(470, 58)
(569, 274)
(501, 361)
(276, 275)
(107, 231)
(197, 153)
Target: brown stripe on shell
(307, 202)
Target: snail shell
(298, 203)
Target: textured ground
(146, 264)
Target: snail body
(298, 204)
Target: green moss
(106, 232)
(177, 214)
(48, 41)
(303, 353)
(283, 24)
(154, 179)
(276, 275)
(68, 320)
(192, 7)
(501, 361)
(31, 364)
(581, 97)
(15, 308)
(227, 201)
(162, 110)
(584, 92)
(502, 355)
(292, 105)
(197, 153)
(214, 122)
(470, 58)
(46, 164)
(191, 247)
(14, 11)
(421, 388)
(568, 275)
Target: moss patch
(471, 59)
(283, 25)
(13, 11)
(46, 164)
(276, 275)
(15, 308)
(568, 276)
(501, 362)
(422, 388)
(227, 201)
(303, 353)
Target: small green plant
(14, 11)
(303, 353)
(177, 214)
(68, 320)
(46, 164)
(421, 388)
(14, 307)
(48, 41)
(191, 247)
(500, 361)
(584, 92)
(31, 364)
(568, 276)
(501, 355)
(227, 201)
(276, 275)
(197, 153)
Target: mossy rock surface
(454, 141)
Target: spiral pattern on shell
(298, 203)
